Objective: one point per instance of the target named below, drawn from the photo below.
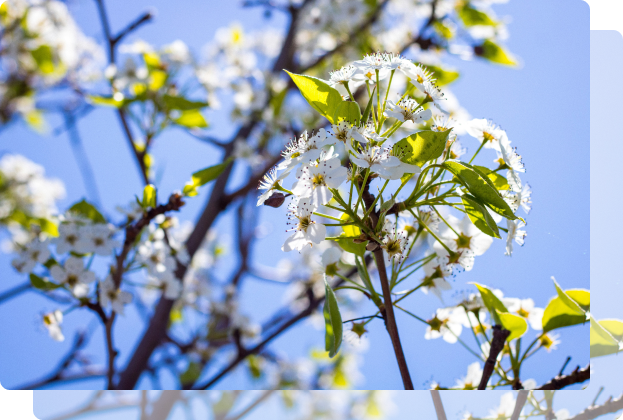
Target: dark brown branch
(522, 396)
(497, 345)
(441, 413)
(263, 397)
(144, 18)
(594, 411)
(561, 381)
(163, 406)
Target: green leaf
(496, 54)
(558, 315)
(348, 111)
(603, 342)
(348, 245)
(513, 323)
(149, 197)
(474, 17)
(88, 211)
(493, 304)
(191, 118)
(107, 100)
(443, 77)
(224, 404)
(366, 112)
(276, 102)
(192, 373)
(48, 226)
(322, 97)
(479, 215)
(421, 147)
(204, 176)
(181, 103)
(566, 299)
(41, 283)
(350, 230)
(44, 58)
(333, 321)
(498, 180)
(480, 186)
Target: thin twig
(497, 345)
(144, 18)
(265, 395)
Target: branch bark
(441, 413)
(562, 381)
(497, 345)
(594, 411)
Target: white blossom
(73, 274)
(109, 294)
(52, 322)
(306, 231)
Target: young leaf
(513, 323)
(181, 103)
(492, 302)
(479, 215)
(191, 119)
(333, 321)
(443, 76)
(366, 112)
(602, 341)
(496, 54)
(149, 197)
(322, 97)
(348, 111)
(348, 245)
(41, 283)
(474, 17)
(107, 100)
(88, 211)
(421, 147)
(44, 59)
(480, 186)
(558, 315)
(191, 374)
(570, 303)
(498, 180)
(48, 226)
(204, 176)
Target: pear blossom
(97, 239)
(109, 294)
(418, 74)
(156, 256)
(407, 110)
(270, 183)
(35, 252)
(303, 151)
(315, 181)
(506, 407)
(515, 233)
(433, 94)
(73, 274)
(472, 379)
(382, 162)
(526, 309)
(463, 238)
(486, 131)
(306, 231)
(447, 323)
(52, 322)
(69, 235)
(436, 272)
(514, 163)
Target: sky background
(544, 107)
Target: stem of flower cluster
(390, 320)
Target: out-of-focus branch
(497, 345)
(91, 407)
(522, 396)
(162, 407)
(374, 16)
(263, 397)
(561, 381)
(17, 290)
(144, 18)
(81, 158)
(594, 411)
(80, 341)
(441, 413)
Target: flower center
(318, 179)
(304, 223)
(522, 312)
(488, 137)
(436, 323)
(72, 279)
(463, 241)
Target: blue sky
(544, 106)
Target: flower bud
(275, 200)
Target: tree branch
(575, 377)
(594, 411)
(497, 345)
(441, 413)
(11, 293)
(522, 396)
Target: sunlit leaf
(322, 97)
